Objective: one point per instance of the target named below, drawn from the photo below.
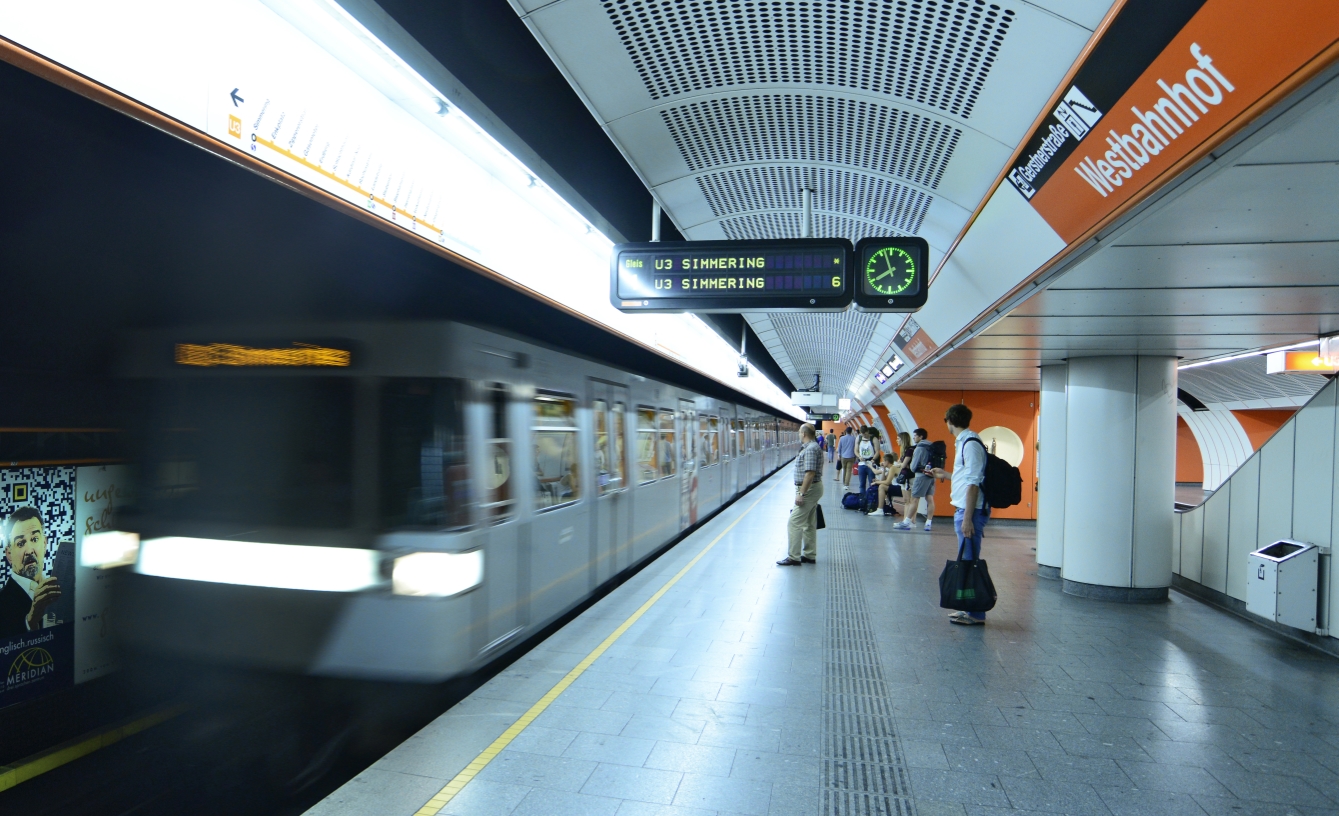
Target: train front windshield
(250, 452)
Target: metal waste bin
(1281, 585)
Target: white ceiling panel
(1036, 54)
(1249, 204)
(1239, 301)
(1309, 263)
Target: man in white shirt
(972, 513)
(28, 591)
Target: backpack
(1003, 484)
(853, 501)
(938, 454)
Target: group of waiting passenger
(902, 480)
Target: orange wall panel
(1189, 461)
(1260, 424)
(1015, 410)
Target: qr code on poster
(50, 492)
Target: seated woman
(884, 480)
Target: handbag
(966, 585)
(819, 523)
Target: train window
(497, 501)
(618, 470)
(740, 448)
(609, 465)
(711, 441)
(667, 466)
(648, 460)
(424, 482)
(557, 478)
(245, 453)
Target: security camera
(743, 366)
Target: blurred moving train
(403, 501)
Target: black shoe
(788, 562)
(804, 559)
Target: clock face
(890, 271)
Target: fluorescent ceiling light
(251, 563)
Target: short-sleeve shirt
(969, 468)
(809, 458)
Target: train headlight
(437, 574)
(109, 549)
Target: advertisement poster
(102, 491)
(36, 581)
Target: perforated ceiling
(807, 128)
(932, 53)
(731, 109)
(1247, 381)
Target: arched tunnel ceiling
(899, 115)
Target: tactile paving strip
(863, 770)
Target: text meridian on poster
(891, 274)
(732, 276)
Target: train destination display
(891, 274)
(732, 276)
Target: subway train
(402, 501)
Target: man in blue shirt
(972, 513)
(846, 452)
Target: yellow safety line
(49, 761)
(446, 794)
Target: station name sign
(732, 276)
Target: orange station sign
(1095, 153)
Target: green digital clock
(890, 271)
(892, 276)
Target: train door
(560, 525)
(611, 526)
(491, 450)
(687, 463)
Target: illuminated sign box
(298, 355)
(1300, 362)
(731, 276)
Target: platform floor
(753, 689)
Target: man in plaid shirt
(803, 526)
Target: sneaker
(902, 525)
(876, 511)
(927, 526)
(966, 620)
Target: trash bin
(1281, 584)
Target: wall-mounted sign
(1166, 76)
(731, 276)
(891, 274)
(1300, 362)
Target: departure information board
(732, 276)
(891, 274)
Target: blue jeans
(970, 548)
(866, 475)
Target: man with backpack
(922, 483)
(968, 477)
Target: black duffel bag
(966, 585)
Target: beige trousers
(803, 525)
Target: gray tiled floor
(711, 702)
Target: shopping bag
(819, 523)
(966, 586)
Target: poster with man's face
(36, 581)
